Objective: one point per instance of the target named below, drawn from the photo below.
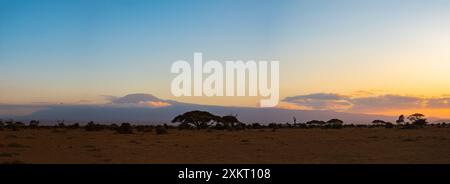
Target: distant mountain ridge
(135, 108)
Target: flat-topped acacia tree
(199, 119)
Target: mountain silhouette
(130, 109)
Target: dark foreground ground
(348, 145)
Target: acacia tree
(418, 119)
(379, 122)
(316, 123)
(199, 119)
(335, 122)
(400, 120)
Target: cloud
(318, 96)
(19, 110)
(385, 102)
(109, 98)
(320, 101)
(134, 99)
(373, 103)
(138, 99)
(438, 103)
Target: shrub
(74, 126)
(33, 124)
(274, 126)
(125, 128)
(379, 123)
(300, 125)
(60, 124)
(334, 124)
(161, 130)
(144, 128)
(218, 126)
(256, 126)
(389, 125)
(113, 126)
(349, 126)
(91, 126)
(239, 126)
(408, 126)
(14, 126)
(315, 123)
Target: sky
(371, 56)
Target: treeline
(204, 120)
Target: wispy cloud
(138, 99)
(385, 102)
(320, 101)
(439, 103)
(369, 103)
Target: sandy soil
(349, 145)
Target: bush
(125, 128)
(74, 126)
(420, 123)
(91, 126)
(113, 126)
(379, 123)
(315, 123)
(240, 126)
(333, 126)
(408, 126)
(14, 126)
(161, 130)
(274, 126)
(389, 125)
(144, 128)
(300, 125)
(218, 126)
(256, 126)
(33, 124)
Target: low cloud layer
(332, 101)
(138, 100)
(320, 101)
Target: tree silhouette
(400, 120)
(418, 119)
(125, 128)
(33, 124)
(229, 121)
(335, 122)
(199, 119)
(379, 122)
(316, 123)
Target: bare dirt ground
(349, 145)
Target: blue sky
(83, 43)
(71, 50)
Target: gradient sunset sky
(371, 56)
